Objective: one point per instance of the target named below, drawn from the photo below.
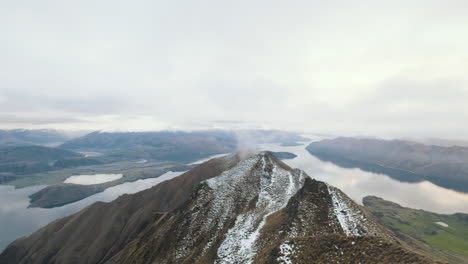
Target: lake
(92, 179)
(16, 220)
(358, 184)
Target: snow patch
(442, 224)
(92, 179)
(348, 219)
(223, 192)
(200, 161)
(277, 186)
(286, 251)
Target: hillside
(402, 160)
(17, 161)
(65, 193)
(175, 146)
(60, 194)
(117, 222)
(20, 137)
(444, 236)
(233, 209)
(34, 154)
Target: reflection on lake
(358, 184)
(17, 220)
(92, 179)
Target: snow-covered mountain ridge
(256, 209)
(253, 213)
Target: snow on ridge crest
(351, 221)
(233, 176)
(275, 187)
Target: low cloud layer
(393, 69)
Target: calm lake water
(358, 184)
(92, 179)
(17, 220)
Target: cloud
(334, 66)
(35, 120)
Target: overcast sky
(382, 68)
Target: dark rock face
(256, 210)
(402, 160)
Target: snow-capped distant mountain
(232, 209)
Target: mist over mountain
(382, 69)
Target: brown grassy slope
(332, 248)
(318, 237)
(96, 233)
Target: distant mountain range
(174, 145)
(32, 154)
(241, 208)
(21, 137)
(402, 160)
(160, 145)
(117, 153)
(16, 161)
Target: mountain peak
(261, 178)
(258, 207)
(235, 209)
